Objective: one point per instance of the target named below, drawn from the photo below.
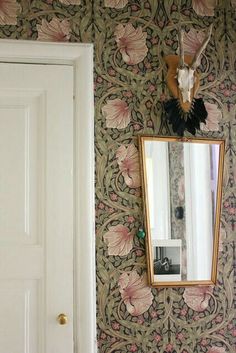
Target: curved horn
(181, 47)
(202, 47)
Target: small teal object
(141, 234)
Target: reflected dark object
(161, 266)
(179, 212)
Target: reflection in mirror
(182, 187)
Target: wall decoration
(185, 111)
(195, 232)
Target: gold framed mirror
(182, 191)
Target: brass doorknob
(62, 319)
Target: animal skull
(186, 81)
(183, 68)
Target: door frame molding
(80, 56)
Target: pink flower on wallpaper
(181, 188)
(119, 240)
(204, 7)
(192, 41)
(169, 348)
(55, 30)
(213, 118)
(117, 113)
(131, 42)
(116, 4)
(197, 298)
(233, 3)
(70, 2)
(136, 294)
(133, 348)
(215, 349)
(128, 161)
(8, 12)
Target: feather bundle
(181, 120)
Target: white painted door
(36, 208)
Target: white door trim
(81, 57)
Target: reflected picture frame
(170, 281)
(160, 250)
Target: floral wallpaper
(177, 200)
(177, 189)
(131, 39)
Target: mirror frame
(150, 270)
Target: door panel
(36, 207)
(18, 306)
(21, 182)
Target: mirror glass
(182, 192)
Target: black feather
(181, 120)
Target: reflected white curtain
(157, 166)
(198, 197)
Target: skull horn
(181, 48)
(195, 63)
